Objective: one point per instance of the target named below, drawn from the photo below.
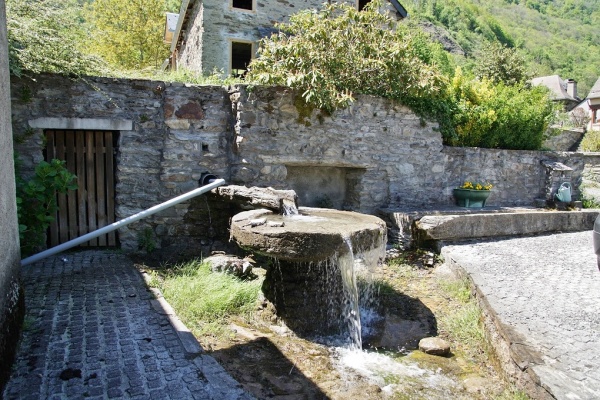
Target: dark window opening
(241, 54)
(362, 4)
(243, 4)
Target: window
(243, 4)
(241, 54)
(362, 4)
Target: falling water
(358, 298)
(351, 297)
(289, 207)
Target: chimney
(572, 88)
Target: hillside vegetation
(553, 36)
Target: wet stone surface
(316, 234)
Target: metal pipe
(116, 225)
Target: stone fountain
(319, 258)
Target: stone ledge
(82, 124)
(411, 228)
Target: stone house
(223, 35)
(563, 91)
(591, 108)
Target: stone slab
(315, 234)
(412, 227)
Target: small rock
(229, 264)
(276, 224)
(434, 346)
(258, 221)
(476, 384)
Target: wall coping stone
(82, 124)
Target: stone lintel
(555, 166)
(104, 124)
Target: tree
(499, 63)
(44, 36)
(127, 34)
(332, 54)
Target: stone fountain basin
(315, 234)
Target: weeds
(183, 76)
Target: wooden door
(90, 156)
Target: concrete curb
(189, 342)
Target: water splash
(390, 373)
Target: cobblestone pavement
(548, 289)
(91, 332)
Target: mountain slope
(555, 36)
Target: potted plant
(472, 194)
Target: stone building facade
(375, 154)
(224, 35)
(12, 306)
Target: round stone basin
(313, 235)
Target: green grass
(181, 75)
(464, 324)
(205, 300)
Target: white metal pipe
(116, 225)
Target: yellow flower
(476, 186)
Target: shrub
(591, 141)
(497, 115)
(332, 54)
(36, 201)
(45, 36)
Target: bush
(36, 201)
(591, 141)
(497, 115)
(45, 36)
(335, 53)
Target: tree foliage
(498, 115)
(332, 54)
(501, 64)
(128, 34)
(554, 37)
(44, 36)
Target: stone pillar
(11, 297)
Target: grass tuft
(205, 300)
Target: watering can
(564, 192)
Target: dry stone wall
(375, 154)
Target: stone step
(430, 227)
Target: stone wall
(11, 296)
(190, 53)
(172, 134)
(564, 140)
(375, 154)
